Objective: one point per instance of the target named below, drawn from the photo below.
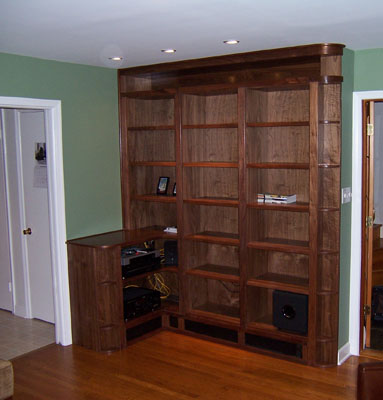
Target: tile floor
(19, 335)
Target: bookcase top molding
(290, 65)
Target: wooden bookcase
(225, 129)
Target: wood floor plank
(171, 366)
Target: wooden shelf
(219, 272)
(215, 237)
(328, 165)
(149, 94)
(123, 237)
(170, 307)
(281, 282)
(210, 126)
(277, 124)
(143, 318)
(155, 198)
(211, 164)
(213, 201)
(227, 314)
(298, 206)
(271, 165)
(128, 280)
(264, 327)
(283, 245)
(330, 122)
(152, 128)
(153, 163)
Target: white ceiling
(91, 31)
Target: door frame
(56, 201)
(356, 217)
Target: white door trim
(356, 217)
(56, 201)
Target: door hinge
(366, 310)
(369, 221)
(370, 129)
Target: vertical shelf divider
(313, 213)
(242, 210)
(183, 293)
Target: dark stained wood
(280, 282)
(313, 50)
(225, 129)
(312, 347)
(289, 246)
(298, 206)
(156, 198)
(96, 297)
(122, 237)
(277, 124)
(211, 164)
(213, 201)
(271, 165)
(263, 327)
(151, 128)
(219, 272)
(215, 237)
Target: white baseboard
(343, 353)
(20, 311)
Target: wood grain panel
(210, 218)
(148, 112)
(200, 254)
(211, 183)
(209, 109)
(291, 265)
(329, 178)
(329, 142)
(151, 145)
(278, 145)
(278, 181)
(277, 106)
(216, 145)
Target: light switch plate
(346, 195)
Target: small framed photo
(162, 186)
(174, 189)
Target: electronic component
(136, 261)
(140, 301)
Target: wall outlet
(346, 195)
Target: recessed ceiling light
(231, 41)
(168, 51)
(115, 58)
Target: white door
(6, 302)
(36, 230)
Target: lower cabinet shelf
(281, 282)
(219, 312)
(209, 297)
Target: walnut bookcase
(225, 129)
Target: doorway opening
(55, 180)
(371, 320)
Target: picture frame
(162, 186)
(174, 189)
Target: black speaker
(171, 252)
(290, 311)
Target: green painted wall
(346, 181)
(89, 99)
(362, 71)
(368, 70)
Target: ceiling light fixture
(231, 41)
(169, 51)
(115, 58)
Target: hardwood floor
(172, 366)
